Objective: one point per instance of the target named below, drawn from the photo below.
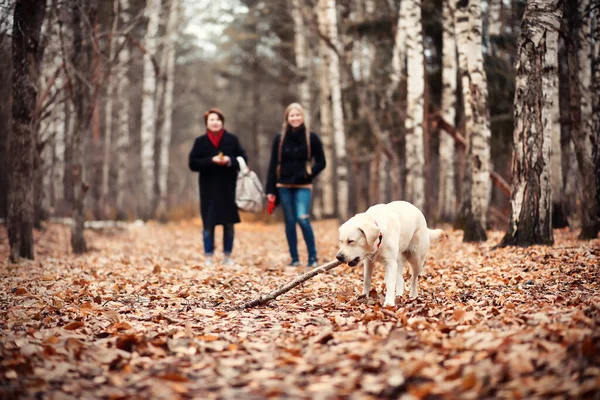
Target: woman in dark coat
(214, 157)
(297, 157)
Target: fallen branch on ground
(289, 286)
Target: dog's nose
(340, 257)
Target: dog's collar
(380, 235)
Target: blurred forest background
(413, 100)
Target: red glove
(271, 205)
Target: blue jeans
(296, 204)
(208, 233)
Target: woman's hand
(223, 160)
(271, 197)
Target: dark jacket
(217, 183)
(294, 156)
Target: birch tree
(27, 24)
(581, 130)
(536, 97)
(148, 123)
(122, 99)
(399, 51)
(302, 69)
(476, 182)
(327, 13)
(108, 116)
(447, 190)
(415, 154)
(326, 124)
(82, 20)
(165, 132)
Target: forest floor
(140, 317)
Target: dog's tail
(436, 235)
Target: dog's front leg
(367, 273)
(391, 273)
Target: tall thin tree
(535, 96)
(148, 123)
(415, 97)
(447, 190)
(580, 105)
(165, 128)
(472, 216)
(27, 25)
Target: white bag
(249, 195)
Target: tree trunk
(148, 124)
(326, 182)
(108, 122)
(301, 59)
(569, 189)
(81, 62)
(399, 51)
(122, 82)
(447, 190)
(581, 132)
(27, 24)
(461, 24)
(328, 13)
(536, 95)
(475, 203)
(415, 153)
(165, 132)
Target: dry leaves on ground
(140, 316)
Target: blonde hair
(288, 109)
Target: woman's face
(295, 118)
(213, 123)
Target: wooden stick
(261, 300)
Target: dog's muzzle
(342, 258)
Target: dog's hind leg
(367, 272)
(416, 265)
(399, 278)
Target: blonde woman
(296, 159)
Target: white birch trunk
(327, 178)
(108, 117)
(481, 135)
(415, 153)
(301, 59)
(148, 123)
(122, 142)
(165, 132)
(536, 95)
(399, 51)
(339, 138)
(368, 48)
(447, 190)
(495, 19)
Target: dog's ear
(371, 231)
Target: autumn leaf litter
(140, 316)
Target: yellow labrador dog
(391, 233)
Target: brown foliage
(140, 316)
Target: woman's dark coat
(294, 155)
(217, 183)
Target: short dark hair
(214, 110)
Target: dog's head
(359, 237)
